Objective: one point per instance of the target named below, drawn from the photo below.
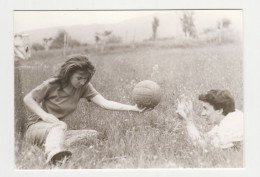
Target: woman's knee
(61, 125)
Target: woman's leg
(54, 143)
(56, 138)
(49, 135)
(37, 132)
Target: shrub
(114, 39)
(37, 46)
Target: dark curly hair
(219, 99)
(74, 63)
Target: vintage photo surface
(128, 89)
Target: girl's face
(79, 78)
(210, 114)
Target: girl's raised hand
(181, 109)
(184, 108)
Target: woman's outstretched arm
(112, 105)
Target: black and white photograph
(128, 89)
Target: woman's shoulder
(89, 86)
(51, 82)
(235, 115)
(233, 118)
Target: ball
(147, 94)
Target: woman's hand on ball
(137, 109)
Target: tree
(107, 33)
(97, 38)
(101, 40)
(222, 24)
(64, 40)
(113, 39)
(187, 22)
(155, 26)
(74, 43)
(46, 43)
(226, 22)
(37, 46)
(58, 41)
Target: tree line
(63, 39)
(187, 24)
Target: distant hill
(136, 29)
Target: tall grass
(155, 139)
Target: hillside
(136, 29)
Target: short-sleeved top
(56, 101)
(229, 131)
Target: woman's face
(211, 115)
(79, 78)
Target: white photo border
(251, 72)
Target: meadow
(154, 139)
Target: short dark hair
(219, 99)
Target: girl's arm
(36, 108)
(196, 136)
(185, 111)
(112, 105)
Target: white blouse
(228, 131)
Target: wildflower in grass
(155, 71)
(155, 67)
(133, 83)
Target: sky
(29, 20)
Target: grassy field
(155, 139)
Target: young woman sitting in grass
(58, 97)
